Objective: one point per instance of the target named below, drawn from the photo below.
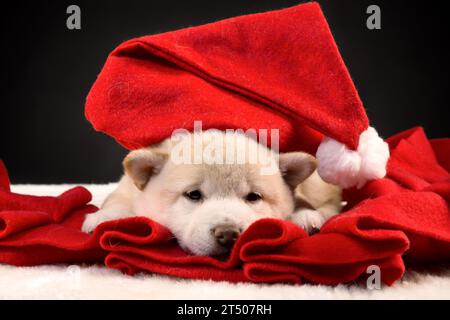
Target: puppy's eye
(194, 195)
(253, 197)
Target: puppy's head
(206, 204)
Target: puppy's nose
(226, 235)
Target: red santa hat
(275, 70)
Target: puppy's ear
(142, 164)
(296, 167)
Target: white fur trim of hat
(339, 165)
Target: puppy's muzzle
(226, 235)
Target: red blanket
(402, 218)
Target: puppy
(185, 184)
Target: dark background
(401, 72)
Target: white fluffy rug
(96, 282)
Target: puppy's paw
(91, 221)
(310, 220)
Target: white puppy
(205, 202)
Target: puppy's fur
(194, 200)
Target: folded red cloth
(402, 218)
(36, 230)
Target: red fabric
(403, 217)
(275, 70)
(4, 179)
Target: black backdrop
(401, 72)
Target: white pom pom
(347, 168)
